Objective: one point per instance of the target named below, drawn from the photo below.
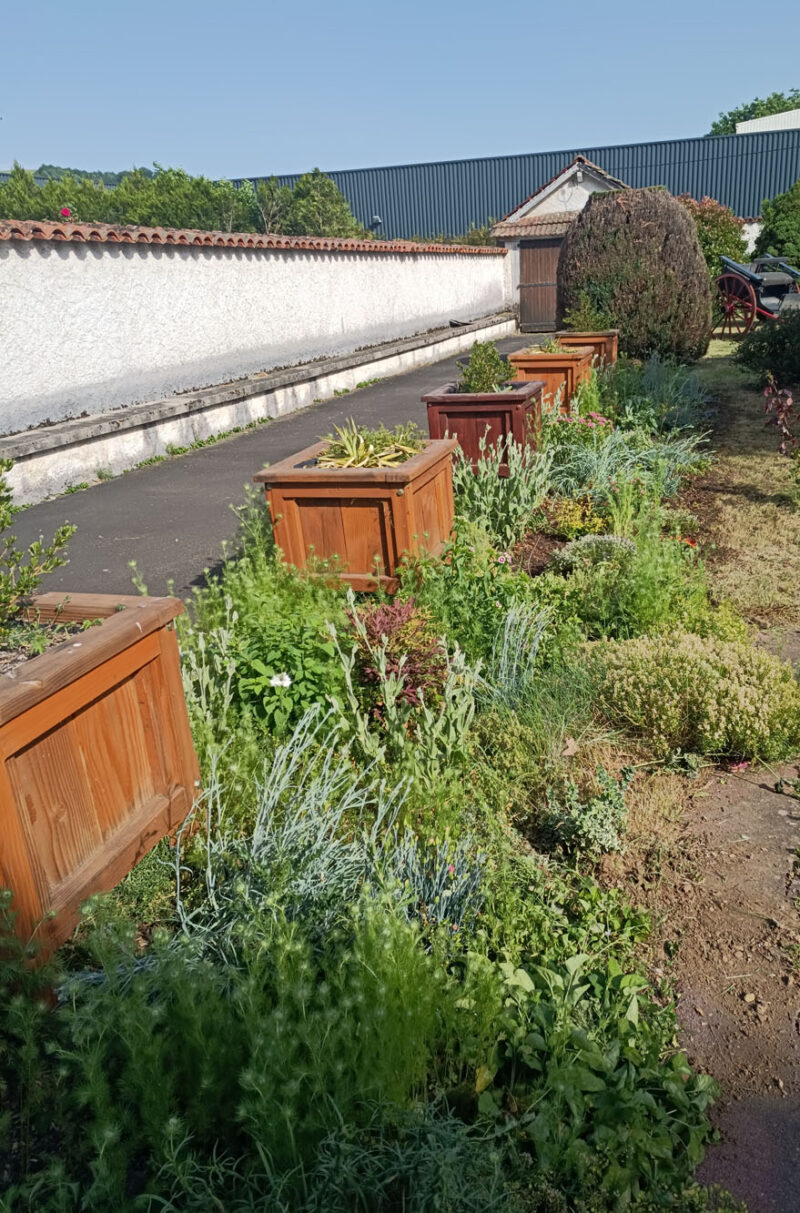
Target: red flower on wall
(66, 212)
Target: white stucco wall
(572, 195)
(87, 327)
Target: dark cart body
(765, 288)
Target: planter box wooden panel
(561, 371)
(367, 519)
(96, 757)
(603, 344)
(468, 415)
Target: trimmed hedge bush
(701, 695)
(633, 259)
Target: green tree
(169, 197)
(274, 203)
(320, 209)
(760, 107)
(780, 235)
(718, 230)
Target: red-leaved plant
(781, 413)
(406, 632)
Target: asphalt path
(172, 518)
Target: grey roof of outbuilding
(448, 196)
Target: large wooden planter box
(96, 757)
(561, 371)
(367, 519)
(602, 344)
(468, 415)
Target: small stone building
(534, 233)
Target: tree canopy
(169, 197)
(759, 107)
(780, 234)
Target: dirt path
(726, 900)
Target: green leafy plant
(585, 316)
(353, 446)
(772, 350)
(504, 505)
(21, 571)
(706, 696)
(593, 824)
(284, 667)
(718, 230)
(421, 739)
(486, 371)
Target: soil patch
(727, 937)
(532, 554)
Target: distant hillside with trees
(169, 197)
(55, 172)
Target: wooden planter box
(603, 344)
(561, 371)
(467, 416)
(96, 757)
(366, 518)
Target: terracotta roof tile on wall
(107, 233)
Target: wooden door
(538, 265)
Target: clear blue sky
(248, 88)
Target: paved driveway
(173, 517)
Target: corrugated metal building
(448, 196)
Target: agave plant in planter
(561, 368)
(483, 405)
(96, 756)
(363, 499)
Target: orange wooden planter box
(561, 371)
(603, 344)
(96, 757)
(467, 416)
(366, 518)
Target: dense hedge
(632, 258)
(171, 198)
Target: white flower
(280, 680)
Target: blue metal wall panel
(446, 197)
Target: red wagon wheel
(735, 308)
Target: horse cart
(765, 288)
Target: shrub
(486, 371)
(718, 230)
(592, 469)
(423, 740)
(409, 643)
(780, 231)
(705, 696)
(593, 549)
(655, 396)
(594, 824)
(635, 257)
(772, 349)
(468, 590)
